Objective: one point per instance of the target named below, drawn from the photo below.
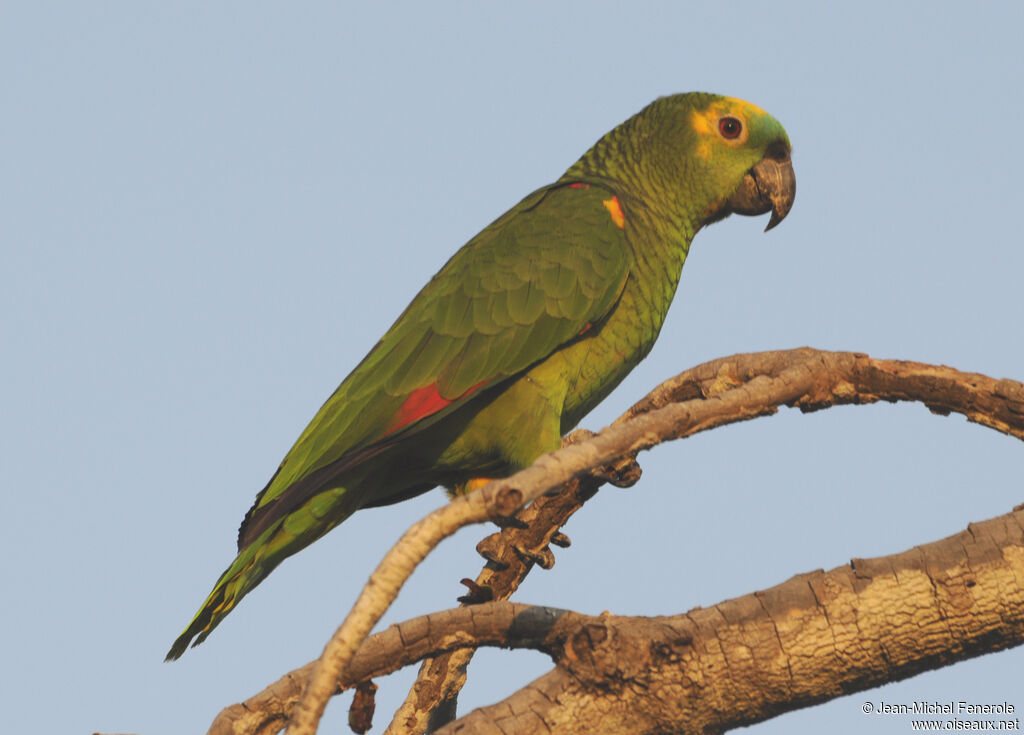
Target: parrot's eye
(730, 128)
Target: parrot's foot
(477, 594)
(624, 472)
(544, 558)
(490, 549)
(561, 540)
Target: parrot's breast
(597, 363)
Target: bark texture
(716, 393)
(815, 637)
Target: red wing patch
(421, 403)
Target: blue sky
(210, 212)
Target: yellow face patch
(708, 123)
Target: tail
(279, 540)
(249, 568)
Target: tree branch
(716, 393)
(511, 554)
(813, 638)
(440, 679)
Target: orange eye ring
(730, 128)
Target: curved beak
(770, 186)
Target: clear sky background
(209, 212)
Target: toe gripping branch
(525, 540)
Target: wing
(529, 283)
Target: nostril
(777, 151)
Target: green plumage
(522, 332)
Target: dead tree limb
(813, 638)
(430, 702)
(716, 393)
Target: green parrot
(522, 332)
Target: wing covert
(527, 284)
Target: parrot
(521, 333)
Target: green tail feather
(281, 539)
(250, 567)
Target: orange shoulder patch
(615, 210)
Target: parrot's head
(742, 153)
(697, 158)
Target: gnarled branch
(716, 393)
(813, 638)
